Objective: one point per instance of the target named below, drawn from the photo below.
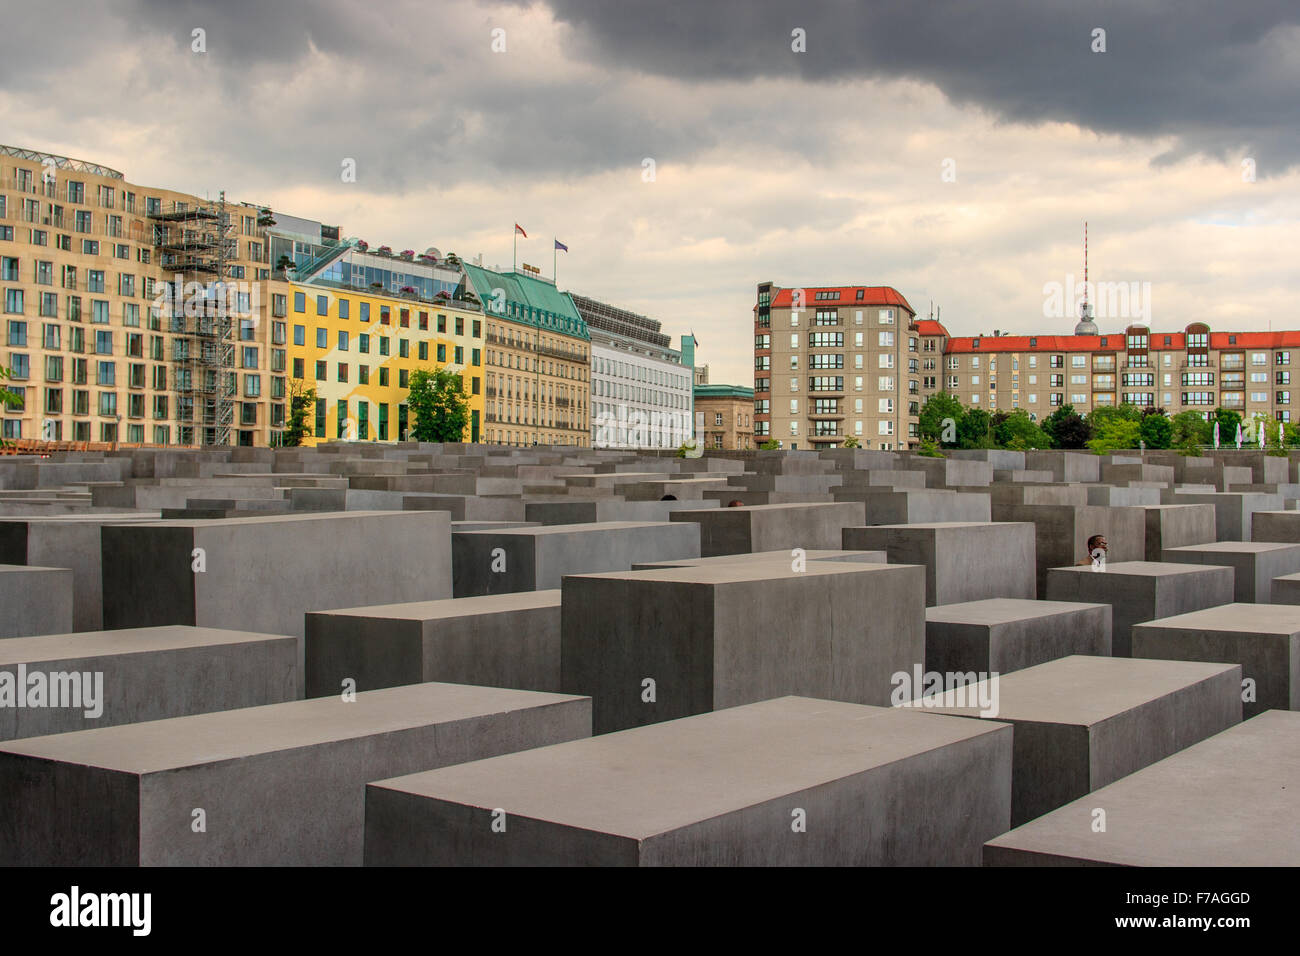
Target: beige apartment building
(102, 345)
(1192, 370)
(724, 417)
(832, 362)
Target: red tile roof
(1115, 342)
(871, 295)
(931, 327)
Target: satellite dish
(433, 251)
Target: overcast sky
(949, 148)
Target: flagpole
(514, 252)
(554, 259)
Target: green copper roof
(723, 391)
(526, 300)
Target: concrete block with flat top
(1007, 634)
(1230, 800)
(140, 674)
(1140, 591)
(908, 506)
(502, 640)
(281, 785)
(1263, 638)
(776, 558)
(816, 525)
(693, 633)
(963, 560)
(35, 600)
(1254, 564)
(791, 781)
(1176, 526)
(1083, 722)
(1280, 525)
(66, 541)
(264, 574)
(1061, 533)
(1233, 511)
(535, 559)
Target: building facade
(1192, 370)
(724, 416)
(640, 390)
(538, 355)
(832, 362)
(359, 349)
(132, 313)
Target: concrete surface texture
(504, 640)
(34, 600)
(1263, 638)
(655, 645)
(121, 677)
(790, 781)
(534, 559)
(278, 785)
(651, 589)
(1226, 801)
(963, 560)
(1008, 634)
(1140, 591)
(1254, 564)
(1082, 722)
(263, 574)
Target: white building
(641, 392)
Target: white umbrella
(1238, 436)
(1216, 436)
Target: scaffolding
(196, 245)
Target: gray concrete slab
(536, 559)
(280, 785)
(1000, 635)
(106, 678)
(720, 636)
(1139, 591)
(790, 781)
(1227, 801)
(34, 600)
(502, 640)
(1254, 564)
(66, 541)
(1176, 526)
(1263, 638)
(1083, 722)
(963, 560)
(264, 574)
(772, 527)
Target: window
(249, 357)
(300, 302)
(1258, 358)
(320, 371)
(322, 305)
(297, 368)
(322, 339)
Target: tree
(975, 430)
(1017, 431)
(1228, 421)
(1114, 434)
(301, 399)
(1067, 428)
(938, 409)
(437, 400)
(852, 442)
(1156, 430)
(1189, 431)
(770, 445)
(1105, 415)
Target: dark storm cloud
(1220, 77)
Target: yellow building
(358, 347)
